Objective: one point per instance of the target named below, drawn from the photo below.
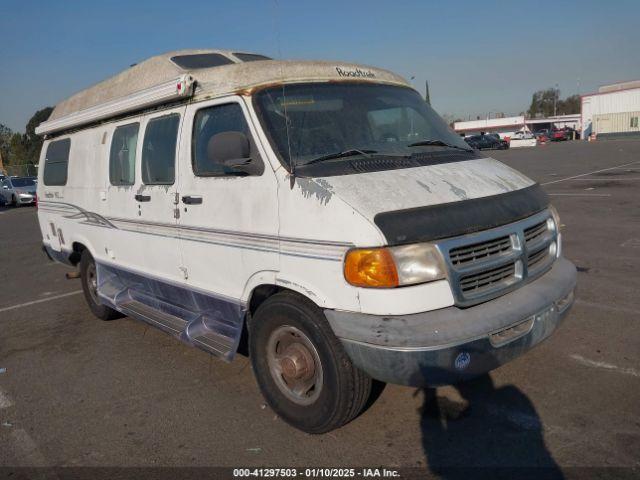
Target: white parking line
(605, 366)
(605, 179)
(27, 304)
(590, 173)
(579, 194)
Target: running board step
(145, 312)
(203, 320)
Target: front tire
(301, 367)
(89, 278)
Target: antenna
(292, 163)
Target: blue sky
(479, 57)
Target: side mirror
(233, 150)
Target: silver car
(18, 190)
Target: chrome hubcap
(295, 365)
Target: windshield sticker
(357, 73)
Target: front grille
(485, 265)
(480, 251)
(535, 232)
(488, 279)
(534, 259)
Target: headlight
(390, 267)
(556, 217)
(556, 221)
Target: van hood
(413, 193)
(389, 190)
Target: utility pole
(427, 97)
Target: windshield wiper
(344, 153)
(355, 151)
(438, 143)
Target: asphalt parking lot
(75, 391)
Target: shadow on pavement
(474, 429)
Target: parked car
(522, 135)
(542, 135)
(290, 202)
(18, 190)
(487, 142)
(559, 135)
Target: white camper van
(322, 208)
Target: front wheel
(301, 367)
(89, 277)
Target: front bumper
(453, 344)
(26, 199)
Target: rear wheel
(301, 368)
(89, 277)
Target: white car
(18, 191)
(521, 135)
(323, 205)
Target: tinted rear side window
(250, 57)
(122, 158)
(200, 60)
(159, 150)
(56, 163)
(207, 123)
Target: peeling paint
(424, 185)
(319, 188)
(508, 183)
(282, 281)
(458, 192)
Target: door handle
(190, 200)
(143, 198)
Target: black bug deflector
(434, 222)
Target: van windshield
(307, 122)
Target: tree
(33, 142)
(542, 103)
(5, 140)
(570, 105)
(545, 103)
(18, 152)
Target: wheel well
(260, 294)
(76, 254)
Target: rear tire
(90, 288)
(301, 367)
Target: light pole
(555, 99)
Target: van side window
(207, 123)
(56, 163)
(122, 158)
(159, 150)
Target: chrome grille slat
(536, 257)
(533, 232)
(487, 278)
(488, 264)
(479, 251)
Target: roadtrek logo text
(357, 73)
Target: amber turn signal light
(371, 268)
